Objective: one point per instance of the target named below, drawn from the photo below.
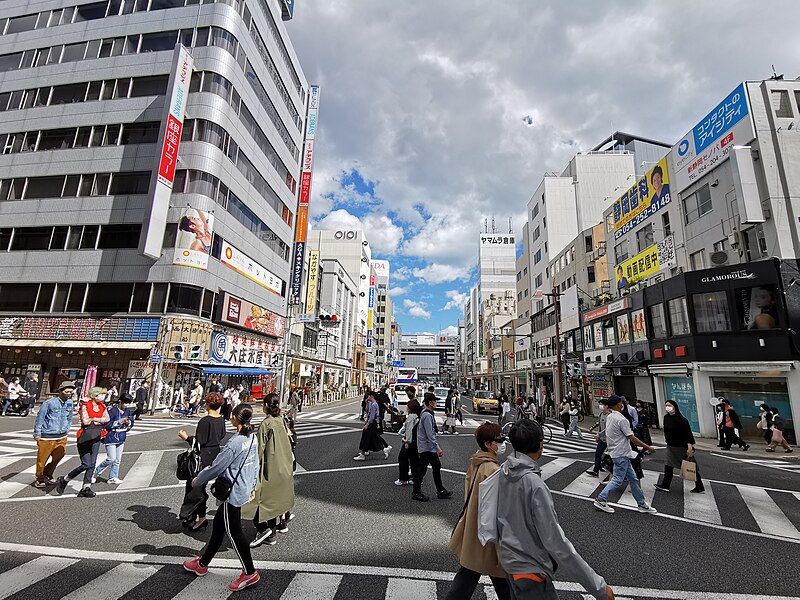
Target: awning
(242, 371)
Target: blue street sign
(398, 363)
(156, 358)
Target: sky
(435, 115)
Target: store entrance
(747, 394)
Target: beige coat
(471, 554)
(275, 489)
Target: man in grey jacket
(429, 452)
(531, 544)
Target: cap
(65, 385)
(612, 400)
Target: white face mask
(670, 410)
(501, 448)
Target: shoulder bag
(222, 486)
(488, 493)
(188, 463)
(457, 535)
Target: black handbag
(188, 464)
(222, 486)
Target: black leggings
(407, 461)
(466, 580)
(228, 520)
(88, 452)
(268, 524)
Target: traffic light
(329, 320)
(178, 351)
(196, 352)
(570, 370)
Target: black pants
(598, 455)
(643, 433)
(88, 452)
(768, 436)
(565, 421)
(194, 503)
(268, 524)
(466, 580)
(525, 589)
(408, 461)
(425, 459)
(730, 438)
(228, 520)
(666, 479)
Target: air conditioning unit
(719, 258)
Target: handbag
(689, 470)
(777, 436)
(222, 486)
(457, 535)
(188, 464)
(488, 494)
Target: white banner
(244, 265)
(193, 242)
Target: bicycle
(187, 410)
(547, 433)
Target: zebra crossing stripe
(647, 484)
(583, 485)
(212, 586)
(17, 483)
(410, 589)
(768, 516)
(115, 583)
(141, 473)
(555, 466)
(320, 586)
(19, 578)
(700, 507)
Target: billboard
(193, 242)
(240, 351)
(155, 220)
(244, 265)
(494, 239)
(381, 270)
(241, 313)
(710, 141)
(645, 198)
(312, 281)
(646, 264)
(301, 225)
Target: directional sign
(156, 358)
(305, 318)
(398, 363)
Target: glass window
(55, 55)
(10, 62)
(782, 104)
(59, 239)
(95, 87)
(208, 304)
(758, 307)
(222, 38)
(202, 183)
(31, 238)
(644, 237)
(621, 251)
(101, 181)
(45, 299)
(89, 237)
(71, 186)
(156, 42)
(108, 298)
(149, 86)
(678, 316)
(5, 238)
(658, 322)
(141, 296)
(120, 236)
(44, 187)
(140, 133)
(93, 49)
(56, 139)
(87, 183)
(711, 312)
(73, 52)
(111, 137)
(77, 293)
(162, 4)
(211, 133)
(697, 260)
(18, 297)
(83, 136)
(159, 298)
(60, 297)
(23, 23)
(90, 12)
(698, 204)
(136, 182)
(74, 238)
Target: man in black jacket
(730, 423)
(141, 398)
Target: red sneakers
(244, 581)
(193, 566)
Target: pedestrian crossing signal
(196, 352)
(178, 351)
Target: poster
(680, 390)
(758, 307)
(598, 335)
(637, 326)
(588, 341)
(242, 313)
(644, 199)
(638, 267)
(623, 329)
(193, 242)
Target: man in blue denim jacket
(50, 433)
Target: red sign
(169, 151)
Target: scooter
(21, 406)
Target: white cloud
(339, 219)
(439, 273)
(381, 232)
(457, 300)
(416, 309)
(398, 290)
(401, 274)
(450, 330)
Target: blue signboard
(680, 390)
(398, 363)
(724, 116)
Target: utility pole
(556, 296)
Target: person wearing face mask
(680, 446)
(477, 560)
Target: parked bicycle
(184, 409)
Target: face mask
(501, 448)
(670, 410)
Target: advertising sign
(112, 329)
(301, 226)
(710, 141)
(666, 253)
(680, 390)
(491, 238)
(623, 329)
(247, 315)
(638, 267)
(244, 265)
(606, 309)
(649, 195)
(598, 335)
(193, 242)
(155, 220)
(287, 10)
(638, 328)
(381, 269)
(241, 351)
(312, 281)
(758, 307)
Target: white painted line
(212, 586)
(17, 483)
(768, 515)
(352, 417)
(18, 578)
(582, 485)
(99, 493)
(6, 461)
(648, 489)
(344, 469)
(313, 435)
(700, 507)
(555, 466)
(142, 472)
(410, 589)
(115, 583)
(21, 442)
(320, 586)
(489, 592)
(13, 449)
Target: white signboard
(244, 265)
(241, 351)
(666, 253)
(497, 239)
(193, 242)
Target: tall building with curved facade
(83, 87)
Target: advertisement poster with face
(623, 329)
(637, 325)
(758, 307)
(193, 242)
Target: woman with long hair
(680, 446)
(371, 440)
(408, 457)
(206, 441)
(235, 469)
(121, 420)
(274, 497)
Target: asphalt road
(358, 536)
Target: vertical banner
(301, 225)
(193, 242)
(155, 220)
(312, 281)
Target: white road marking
(555, 466)
(320, 586)
(583, 485)
(142, 472)
(648, 489)
(410, 589)
(489, 592)
(6, 461)
(700, 507)
(17, 483)
(115, 583)
(212, 586)
(18, 578)
(768, 515)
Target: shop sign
(102, 330)
(680, 390)
(241, 351)
(186, 339)
(242, 313)
(598, 335)
(649, 195)
(193, 241)
(606, 309)
(312, 281)
(244, 265)
(503, 240)
(142, 370)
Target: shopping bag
(777, 436)
(689, 470)
(488, 492)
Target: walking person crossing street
(429, 452)
(731, 423)
(680, 446)
(50, 432)
(120, 422)
(563, 410)
(371, 439)
(600, 438)
(573, 422)
(408, 459)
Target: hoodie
(530, 538)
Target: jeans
(407, 461)
(573, 427)
(598, 455)
(6, 404)
(466, 580)
(527, 589)
(228, 520)
(88, 452)
(113, 458)
(623, 471)
(425, 459)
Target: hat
(66, 384)
(612, 400)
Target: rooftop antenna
(775, 74)
(494, 229)
(510, 226)
(485, 225)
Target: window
(45, 299)
(59, 239)
(31, 238)
(537, 257)
(140, 133)
(590, 273)
(56, 139)
(782, 104)
(149, 86)
(119, 236)
(535, 210)
(621, 252)
(697, 260)
(184, 299)
(159, 298)
(644, 237)
(18, 297)
(77, 294)
(678, 316)
(758, 307)
(136, 182)
(658, 322)
(60, 297)
(536, 233)
(539, 281)
(73, 52)
(665, 224)
(90, 12)
(44, 187)
(588, 243)
(711, 312)
(108, 298)
(141, 296)
(89, 237)
(721, 246)
(156, 42)
(698, 204)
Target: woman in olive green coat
(274, 494)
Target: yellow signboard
(640, 202)
(312, 281)
(638, 267)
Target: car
(484, 400)
(441, 396)
(400, 390)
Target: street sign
(398, 363)
(301, 318)
(156, 358)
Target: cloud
(457, 300)
(381, 232)
(439, 273)
(416, 309)
(450, 330)
(401, 274)
(398, 290)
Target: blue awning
(241, 371)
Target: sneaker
(94, 479)
(444, 494)
(697, 490)
(261, 538)
(402, 482)
(455, 433)
(419, 496)
(283, 527)
(646, 509)
(359, 456)
(243, 581)
(746, 447)
(49, 480)
(86, 492)
(603, 505)
(289, 516)
(789, 450)
(592, 473)
(61, 485)
(272, 539)
(40, 483)
(386, 451)
(773, 450)
(661, 488)
(115, 480)
(193, 566)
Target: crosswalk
(771, 463)
(355, 417)
(76, 575)
(304, 430)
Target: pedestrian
(680, 447)
(50, 432)
(504, 407)
(573, 422)
(292, 407)
(32, 388)
(4, 395)
(531, 544)
(371, 439)
(93, 418)
(236, 471)
(600, 438)
(13, 393)
(225, 409)
(206, 441)
(215, 386)
(429, 452)
(384, 407)
(630, 413)
(195, 396)
(449, 413)
(236, 395)
(142, 393)
(730, 424)
(563, 410)
(271, 507)
(408, 458)
(367, 392)
(112, 395)
(642, 429)
(777, 424)
(120, 422)
(475, 559)
(178, 399)
(619, 437)
(764, 422)
(719, 418)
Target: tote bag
(488, 493)
(689, 470)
